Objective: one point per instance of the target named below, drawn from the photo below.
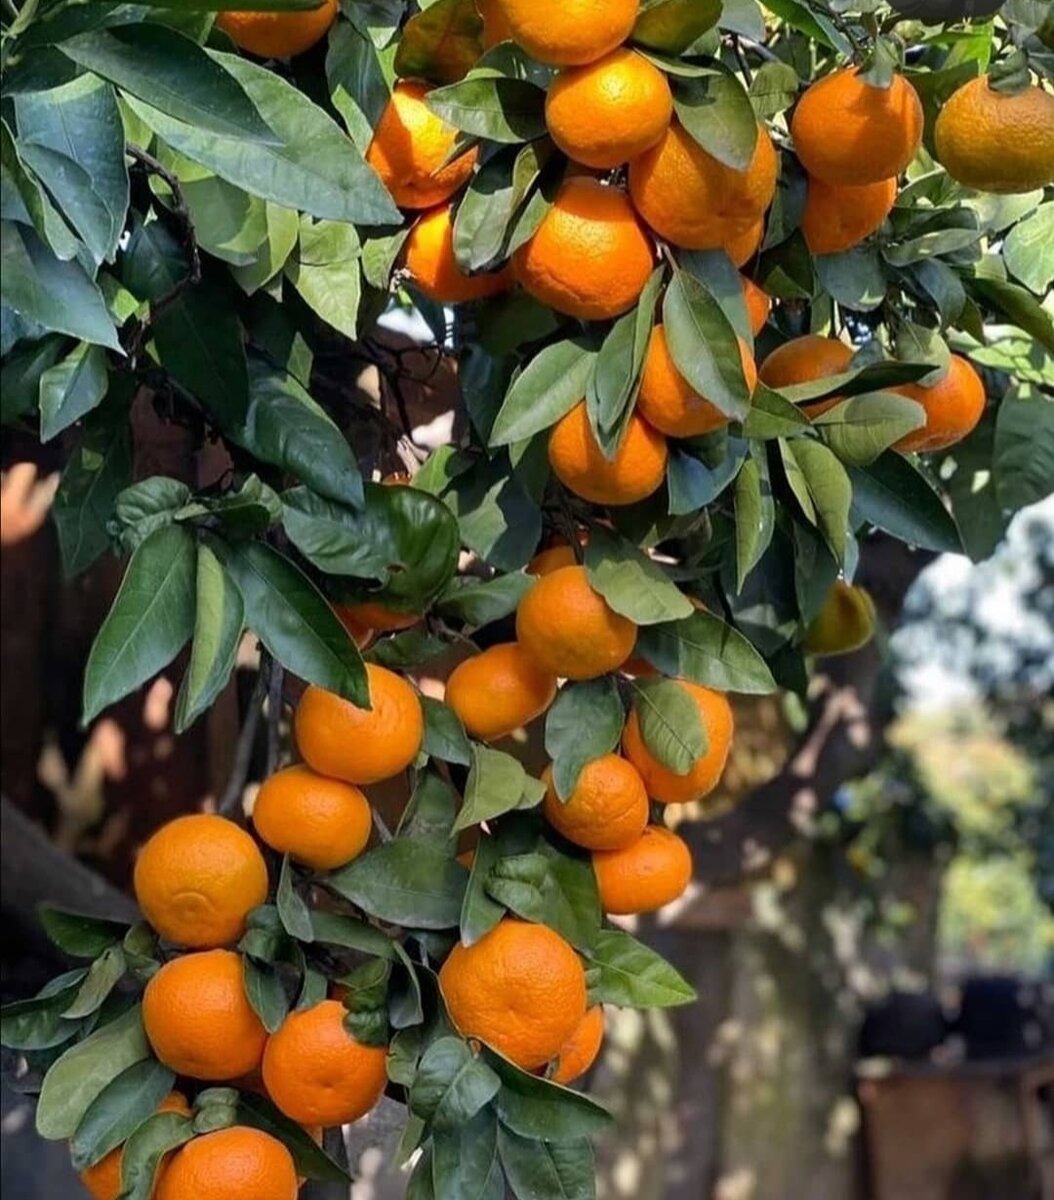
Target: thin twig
(383, 832)
(741, 58)
(274, 716)
(243, 755)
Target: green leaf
(292, 619)
(406, 882)
(314, 168)
(693, 484)
(141, 1158)
(1029, 250)
(21, 374)
(541, 1110)
(97, 471)
(441, 42)
(219, 620)
(57, 295)
(285, 427)
(409, 649)
(358, 83)
(73, 139)
(491, 201)
(85, 1070)
(673, 25)
(550, 888)
(153, 264)
(538, 1170)
(151, 620)
(704, 650)
(478, 602)
(716, 112)
(160, 66)
(335, 929)
(451, 1085)
(38, 1023)
(670, 724)
(431, 811)
(1017, 305)
(703, 345)
(366, 1000)
(445, 737)
(867, 377)
(860, 428)
(119, 1110)
(479, 911)
(78, 934)
(755, 514)
(295, 915)
(103, 976)
(584, 723)
(71, 389)
(632, 975)
(632, 583)
(773, 89)
(551, 384)
(24, 199)
(149, 505)
(1023, 459)
(264, 990)
(325, 271)
(500, 110)
(496, 783)
(283, 228)
(854, 279)
(896, 497)
(829, 489)
(465, 1161)
(498, 518)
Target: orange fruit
(434, 269)
(361, 745)
(360, 633)
(837, 217)
(844, 623)
(651, 872)
(371, 617)
(691, 199)
(499, 691)
(741, 243)
(410, 147)
(317, 1073)
(758, 302)
(580, 1050)
(665, 785)
(668, 401)
(590, 257)
(237, 1163)
(637, 470)
(198, 1019)
(319, 822)
(569, 629)
(607, 809)
(278, 34)
(608, 111)
(520, 988)
(568, 32)
(495, 28)
(197, 878)
(103, 1180)
(848, 132)
(551, 559)
(803, 360)
(953, 406)
(997, 141)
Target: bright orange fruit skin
(103, 1180)
(607, 809)
(321, 823)
(758, 302)
(278, 34)
(580, 1050)
(433, 267)
(520, 988)
(498, 691)
(803, 360)
(637, 470)
(836, 218)
(237, 1163)
(646, 875)
(953, 405)
(568, 32)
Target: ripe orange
(370, 617)
(649, 873)
(607, 809)
(580, 1050)
(361, 633)
(844, 623)
(321, 823)
(410, 147)
(198, 1019)
(499, 690)
(741, 243)
(237, 1163)
(803, 360)
(590, 257)
(609, 111)
(434, 269)
(358, 744)
(758, 302)
(495, 28)
(569, 32)
(837, 217)
(551, 559)
(668, 401)
(197, 879)
(997, 141)
(278, 34)
(953, 405)
(637, 470)
(103, 1180)
(569, 629)
(694, 201)
(317, 1073)
(848, 132)
(665, 785)
(520, 988)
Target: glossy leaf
(897, 498)
(551, 384)
(705, 650)
(860, 428)
(632, 975)
(406, 882)
(584, 723)
(119, 1110)
(452, 1084)
(670, 724)
(632, 583)
(540, 1110)
(445, 737)
(538, 1170)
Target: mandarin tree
(733, 295)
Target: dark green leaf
(495, 785)
(584, 723)
(755, 514)
(500, 110)
(430, 814)
(119, 1110)
(324, 269)
(538, 1170)
(860, 428)
(38, 1023)
(103, 976)
(477, 602)
(716, 112)
(409, 649)
(21, 374)
(632, 975)
(311, 1160)
(693, 484)
(265, 992)
(1017, 306)
(141, 1158)
(335, 929)
(773, 89)
(551, 384)
(829, 489)
(704, 650)
(897, 498)
(147, 506)
(441, 42)
(97, 471)
(498, 518)
(78, 934)
(296, 917)
(632, 583)
(670, 724)
(406, 882)
(452, 1084)
(71, 389)
(465, 1161)
(771, 416)
(444, 734)
(151, 620)
(480, 912)
(550, 888)
(1023, 460)
(540, 1110)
